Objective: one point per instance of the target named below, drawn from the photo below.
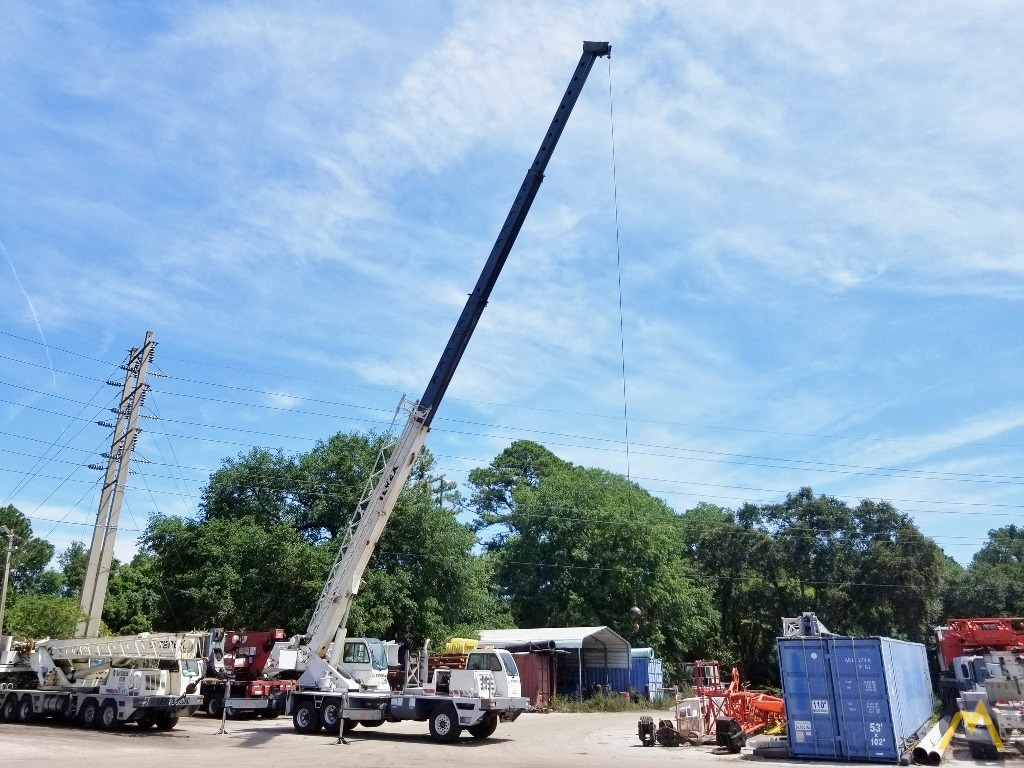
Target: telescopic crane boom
(371, 515)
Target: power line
(511, 406)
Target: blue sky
(820, 227)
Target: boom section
(365, 528)
(371, 515)
(507, 236)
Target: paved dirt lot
(533, 740)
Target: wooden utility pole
(126, 432)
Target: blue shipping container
(610, 679)
(648, 672)
(853, 698)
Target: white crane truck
(326, 696)
(147, 679)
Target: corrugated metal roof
(601, 646)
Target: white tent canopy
(598, 646)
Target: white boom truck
(147, 679)
(326, 696)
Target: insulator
(113, 383)
(149, 416)
(106, 424)
(141, 461)
(105, 455)
(97, 466)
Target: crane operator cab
(366, 659)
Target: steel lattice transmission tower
(126, 433)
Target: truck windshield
(379, 653)
(510, 664)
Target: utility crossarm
(386, 483)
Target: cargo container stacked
(854, 698)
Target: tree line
(534, 541)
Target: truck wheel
(444, 725)
(145, 724)
(347, 726)
(166, 722)
(88, 714)
(107, 719)
(9, 709)
(330, 717)
(25, 712)
(484, 728)
(371, 723)
(305, 719)
(214, 707)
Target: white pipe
(927, 751)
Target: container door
(655, 677)
(862, 699)
(807, 690)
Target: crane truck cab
(502, 666)
(366, 659)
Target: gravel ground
(540, 740)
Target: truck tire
(166, 722)
(444, 724)
(484, 728)
(144, 724)
(305, 718)
(25, 712)
(215, 706)
(270, 714)
(9, 710)
(107, 718)
(330, 717)
(347, 726)
(88, 715)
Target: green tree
(864, 571)
(259, 484)
(34, 615)
(270, 530)
(133, 598)
(745, 570)
(229, 572)
(31, 557)
(73, 563)
(993, 584)
(898, 577)
(580, 546)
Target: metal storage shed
(599, 655)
